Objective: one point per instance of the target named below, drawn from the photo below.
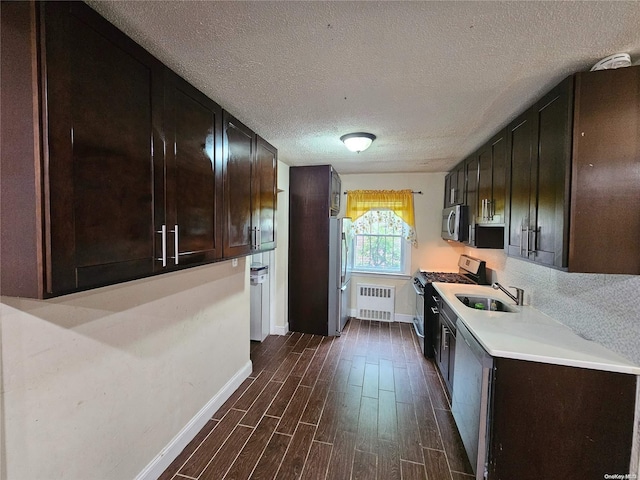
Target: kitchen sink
(485, 303)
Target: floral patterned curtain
(399, 202)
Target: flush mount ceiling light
(357, 142)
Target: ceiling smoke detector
(617, 60)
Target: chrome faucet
(519, 299)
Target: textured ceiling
(432, 80)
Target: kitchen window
(383, 230)
(380, 244)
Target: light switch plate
(234, 262)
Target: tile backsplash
(602, 308)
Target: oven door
(418, 317)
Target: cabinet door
(238, 156)
(471, 194)
(605, 191)
(194, 175)
(499, 173)
(454, 186)
(549, 211)
(460, 185)
(485, 180)
(104, 97)
(335, 193)
(449, 188)
(442, 352)
(538, 414)
(491, 180)
(519, 178)
(266, 194)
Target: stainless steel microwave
(455, 223)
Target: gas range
(472, 271)
(445, 277)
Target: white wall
(281, 320)
(432, 253)
(96, 384)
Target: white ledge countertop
(528, 334)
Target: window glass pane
(379, 243)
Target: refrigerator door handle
(346, 259)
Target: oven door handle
(418, 290)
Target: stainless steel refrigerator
(340, 266)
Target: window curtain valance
(399, 202)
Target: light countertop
(529, 334)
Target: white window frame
(405, 259)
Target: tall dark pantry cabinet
(314, 197)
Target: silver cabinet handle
(435, 311)
(522, 230)
(535, 241)
(175, 243)
(253, 238)
(163, 232)
(445, 337)
(255, 242)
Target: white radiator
(376, 302)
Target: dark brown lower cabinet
(552, 421)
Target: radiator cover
(376, 302)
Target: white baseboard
(169, 453)
(278, 330)
(398, 317)
(403, 317)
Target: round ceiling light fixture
(358, 142)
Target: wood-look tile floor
(363, 406)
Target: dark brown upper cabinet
(119, 173)
(102, 118)
(574, 175)
(539, 152)
(193, 175)
(250, 190)
(264, 205)
(491, 180)
(605, 177)
(563, 178)
(454, 186)
(238, 153)
(479, 182)
(471, 194)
